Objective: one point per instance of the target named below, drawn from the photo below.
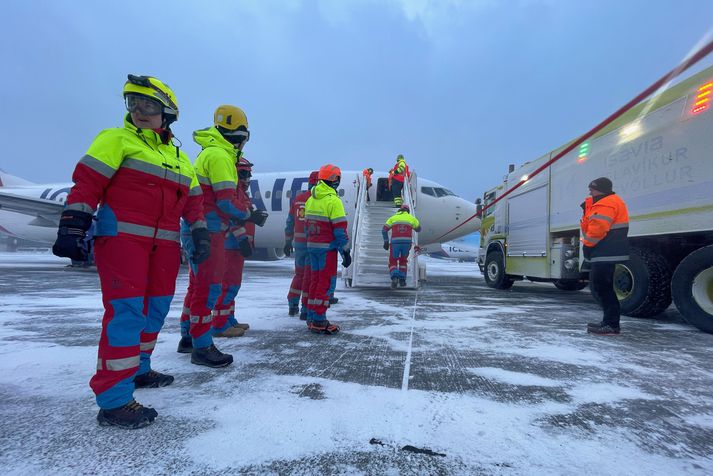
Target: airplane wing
(47, 212)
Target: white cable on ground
(407, 365)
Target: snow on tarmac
(491, 382)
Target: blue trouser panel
(399, 252)
(158, 307)
(230, 294)
(124, 330)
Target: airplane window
(288, 193)
(267, 194)
(449, 192)
(341, 192)
(428, 191)
(440, 192)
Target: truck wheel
(570, 284)
(692, 288)
(495, 276)
(643, 284)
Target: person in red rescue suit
(144, 185)
(367, 173)
(397, 175)
(605, 229)
(224, 322)
(217, 173)
(326, 236)
(296, 240)
(401, 225)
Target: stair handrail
(360, 204)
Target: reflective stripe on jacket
(218, 176)
(605, 226)
(402, 225)
(326, 221)
(295, 225)
(144, 186)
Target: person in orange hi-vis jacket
(605, 226)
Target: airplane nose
(465, 211)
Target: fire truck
(659, 155)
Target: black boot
(394, 283)
(132, 415)
(333, 300)
(303, 315)
(402, 282)
(152, 379)
(185, 345)
(210, 357)
(293, 310)
(323, 327)
(603, 330)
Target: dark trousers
(601, 280)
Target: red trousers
(138, 280)
(297, 286)
(224, 311)
(323, 264)
(204, 288)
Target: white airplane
(460, 250)
(31, 211)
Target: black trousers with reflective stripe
(601, 280)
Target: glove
(201, 245)
(386, 245)
(245, 249)
(346, 259)
(258, 217)
(288, 248)
(73, 226)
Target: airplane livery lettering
(297, 183)
(64, 190)
(255, 195)
(277, 195)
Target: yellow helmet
(155, 89)
(232, 122)
(230, 117)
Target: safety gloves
(201, 245)
(288, 248)
(73, 226)
(258, 217)
(386, 245)
(245, 248)
(346, 258)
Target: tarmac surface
(455, 378)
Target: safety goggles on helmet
(143, 105)
(244, 174)
(235, 137)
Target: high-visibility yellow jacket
(218, 176)
(402, 225)
(143, 183)
(326, 221)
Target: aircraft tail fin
(7, 180)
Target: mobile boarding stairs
(370, 262)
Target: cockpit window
(440, 192)
(428, 191)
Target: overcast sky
(461, 88)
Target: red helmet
(244, 164)
(329, 173)
(313, 178)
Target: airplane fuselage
(437, 209)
